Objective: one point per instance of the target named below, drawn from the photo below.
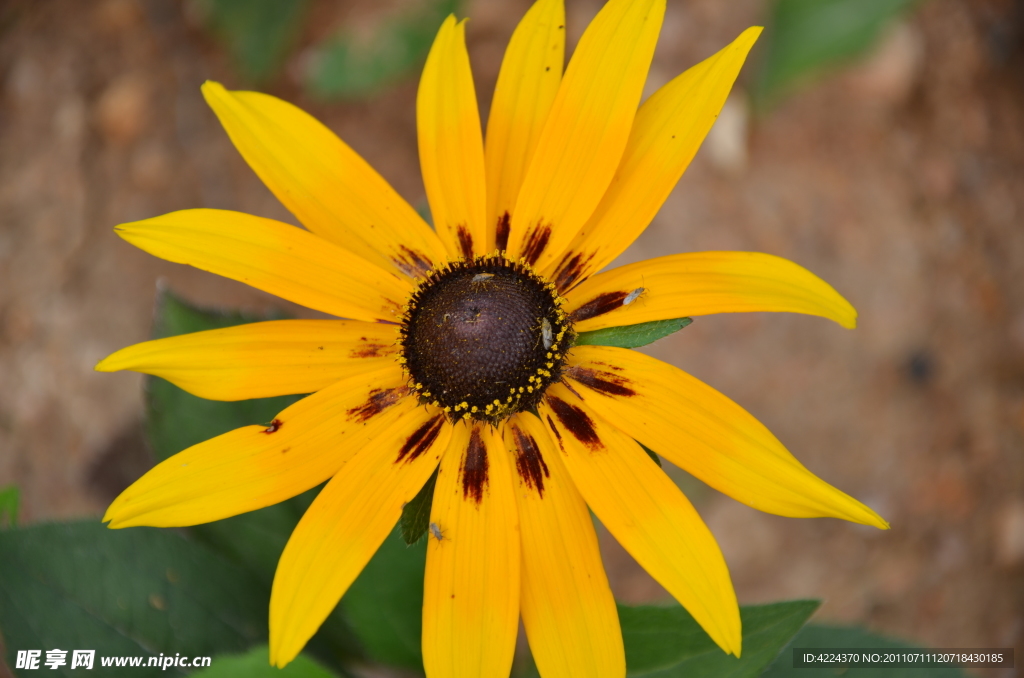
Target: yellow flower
(457, 351)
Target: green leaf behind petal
(177, 420)
(385, 603)
(632, 336)
(667, 642)
(416, 514)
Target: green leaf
(135, 592)
(416, 514)
(650, 453)
(385, 603)
(814, 635)
(256, 664)
(177, 420)
(808, 36)
(257, 33)
(10, 498)
(346, 68)
(666, 641)
(632, 336)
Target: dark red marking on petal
(274, 427)
(420, 440)
(371, 350)
(529, 461)
(554, 429)
(474, 468)
(285, 450)
(577, 422)
(602, 382)
(380, 399)
(536, 242)
(412, 262)
(504, 228)
(571, 269)
(465, 241)
(599, 305)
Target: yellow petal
(700, 430)
(646, 513)
(567, 606)
(451, 145)
(261, 360)
(587, 129)
(527, 84)
(274, 257)
(700, 283)
(347, 523)
(256, 466)
(323, 182)
(666, 134)
(471, 585)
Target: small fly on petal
(633, 296)
(437, 532)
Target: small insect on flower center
(483, 338)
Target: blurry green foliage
(10, 498)
(257, 33)
(806, 37)
(346, 68)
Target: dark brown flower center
(483, 338)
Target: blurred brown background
(899, 179)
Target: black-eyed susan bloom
(457, 350)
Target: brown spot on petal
(420, 440)
(599, 305)
(465, 241)
(602, 382)
(474, 468)
(536, 242)
(504, 228)
(380, 399)
(529, 461)
(372, 350)
(570, 270)
(412, 262)
(576, 422)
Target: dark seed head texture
(483, 338)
